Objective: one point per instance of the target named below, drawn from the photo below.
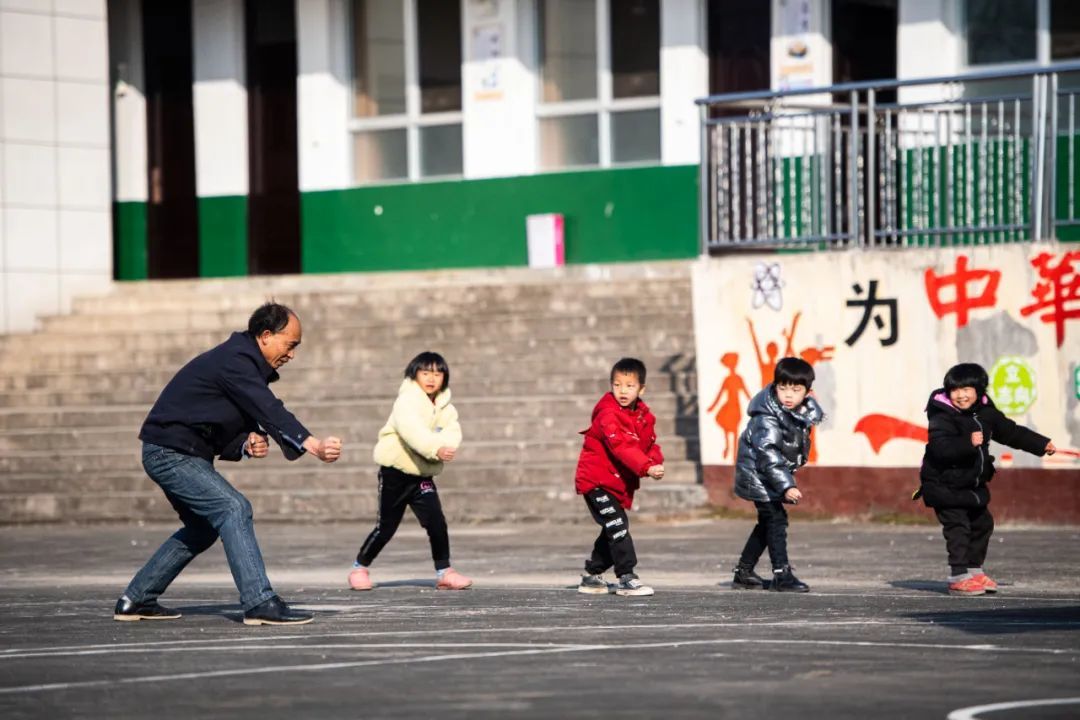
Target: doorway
(274, 197)
(172, 212)
(864, 42)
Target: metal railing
(968, 159)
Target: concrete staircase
(529, 353)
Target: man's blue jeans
(210, 508)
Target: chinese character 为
(1057, 292)
(964, 300)
(868, 306)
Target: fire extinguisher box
(545, 238)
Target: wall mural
(1015, 309)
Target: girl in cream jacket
(422, 433)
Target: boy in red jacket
(620, 448)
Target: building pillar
(219, 99)
(323, 94)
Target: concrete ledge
(1018, 494)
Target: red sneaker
(967, 586)
(988, 585)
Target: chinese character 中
(964, 300)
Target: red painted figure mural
(730, 413)
(810, 354)
(1057, 292)
(767, 364)
(963, 300)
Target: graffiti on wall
(1009, 307)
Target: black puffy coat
(775, 444)
(954, 472)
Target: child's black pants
(613, 546)
(967, 534)
(397, 491)
(770, 532)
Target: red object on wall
(880, 429)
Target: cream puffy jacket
(417, 428)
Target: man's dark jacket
(954, 472)
(211, 406)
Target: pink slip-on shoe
(452, 580)
(359, 579)
(988, 585)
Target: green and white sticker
(1076, 382)
(1012, 385)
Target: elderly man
(220, 404)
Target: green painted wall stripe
(129, 240)
(223, 229)
(613, 215)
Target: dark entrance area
(864, 42)
(172, 220)
(739, 34)
(274, 198)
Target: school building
(200, 138)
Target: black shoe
(127, 611)
(785, 581)
(275, 612)
(746, 579)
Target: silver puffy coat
(773, 446)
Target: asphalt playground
(877, 637)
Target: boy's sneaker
(630, 585)
(452, 580)
(988, 585)
(785, 581)
(967, 586)
(359, 579)
(593, 585)
(746, 579)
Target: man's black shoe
(128, 611)
(785, 581)
(746, 579)
(275, 612)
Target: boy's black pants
(770, 532)
(613, 546)
(398, 490)
(967, 534)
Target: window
(406, 89)
(1021, 31)
(1064, 29)
(1001, 31)
(599, 89)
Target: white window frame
(412, 120)
(1042, 40)
(603, 106)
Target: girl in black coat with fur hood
(958, 465)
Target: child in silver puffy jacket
(775, 444)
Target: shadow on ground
(1003, 621)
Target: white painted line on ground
(741, 624)
(509, 653)
(973, 713)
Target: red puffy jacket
(620, 447)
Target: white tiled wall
(55, 193)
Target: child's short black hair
(428, 360)
(794, 371)
(629, 366)
(970, 375)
